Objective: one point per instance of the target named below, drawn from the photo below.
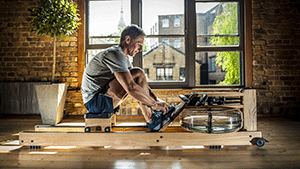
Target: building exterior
(207, 72)
(164, 62)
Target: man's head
(132, 40)
(133, 31)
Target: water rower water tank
(212, 121)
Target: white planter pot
(51, 101)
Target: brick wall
(24, 57)
(276, 50)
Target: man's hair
(133, 31)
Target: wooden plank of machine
(250, 110)
(28, 138)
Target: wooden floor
(282, 150)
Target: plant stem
(54, 60)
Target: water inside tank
(211, 121)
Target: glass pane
(108, 18)
(164, 56)
(97, 40)
(217, 68)
(217, 24)
(164, 61)
(163, 17)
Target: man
(109, 77)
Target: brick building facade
(24, 57)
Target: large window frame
(191, 48)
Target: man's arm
(137, 92)
(154, 96)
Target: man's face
(136, 45)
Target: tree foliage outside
(227, 24)
(57, 18)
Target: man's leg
(117, 92)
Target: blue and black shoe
(159, 120)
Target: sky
(105, 15)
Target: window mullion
(190, 42)
(219, 49)
(87, 4)
(136, 18)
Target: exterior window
(208, 70)
(171, 56)
(146, 72)
(177, 42)
(176, 21)
(182, 74)
(166, 40)
(164, 74)
(218, 31)
(169, 73)
(165, 23)
(159, 74)
(99, 36)
(212, 64)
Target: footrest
(99, 122)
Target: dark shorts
(101, 103)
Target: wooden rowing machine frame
(172, 136)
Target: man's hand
(161, 106)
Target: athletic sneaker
(159, 120)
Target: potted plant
(58, 19)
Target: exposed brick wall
(276, 54)
(25, 57)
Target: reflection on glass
(164, 56)
(217, 24)
(217, 68)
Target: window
(165, 23)
(177, 42)
(182, 74)
(176, 21)
(212, 64)
(163, 52)
(164, 73)
(160, 73)
(219, 33)
(100, 36)
(165, 40)
(146, 72)
(199, 37)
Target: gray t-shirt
(100, 71)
